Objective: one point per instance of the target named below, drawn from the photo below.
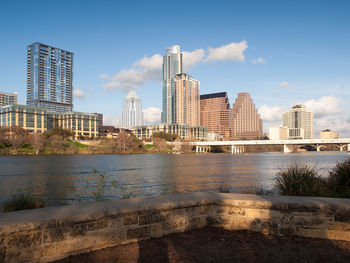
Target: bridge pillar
(287, 148)
(348, 147)
(232, 148)
(196, 149)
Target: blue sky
(281, 52)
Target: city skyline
(279, 60)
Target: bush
(21, 202)
(300, 180)
(339, 179)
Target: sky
(281, 52)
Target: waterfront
(61, 179)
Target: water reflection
(62, 179)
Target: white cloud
(232, 51)
(143, 70)
(79, 94)
(151, 115)
(191, 59)
(284, 84)
(150, 68)
(324, 106)
(258, 61)
(271, 114)
(111, 120)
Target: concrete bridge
(238, 146)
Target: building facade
(49, 78)
(132, 110)
(40, 120)
(187, 99)
(7, 98)
(185, 132)
(278, 133)
(245, 121)
(328, 134)
(172, 65)
(214, 113)
(300, 122)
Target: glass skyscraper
(49, 78)
(132, 110)
(172, 65)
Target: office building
(278, 133)
(185, 132)
(187, 100)
(214, 114)
(328, 134)
(49, 78)
(39, 120)
(7, 98)
(300, 122)
(245, 121)
(172, 65)
(132, 110)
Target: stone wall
(43, 235)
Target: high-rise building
(187, 100)
(132, 110)
(300, 122)
(49, 78)
(7, 98)
(172, 65)
(245, 121)
(214, 113)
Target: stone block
(338, 235)
(140, 232)
(25, 240)
(54, 235)
(93, 226)
(131, 219)
(236, 211)
(262, 214)
(153, 216)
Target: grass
(303, 180)
(300, 180)
(21, 202)
(78, 145)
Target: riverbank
(211, 244)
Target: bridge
(238, 146)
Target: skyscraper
(132, 110)
(187, 100)
(172, 65)
(300, 122)
(49, 78)
(214, 113)
(7, 98)
(245, 121)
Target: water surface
(63, 179)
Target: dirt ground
(218, 245)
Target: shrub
(21, 202)
(103, 187)
(300, 180)
(339, 179)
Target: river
(62, 179)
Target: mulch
(218, 245)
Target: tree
(65, 134)
(126, 142)
(170, 137)
(160, 145)
(38, 141)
